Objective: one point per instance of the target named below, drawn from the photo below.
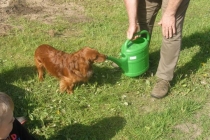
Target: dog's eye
(96, 57)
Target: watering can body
(134, 55)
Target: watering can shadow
(134, 55)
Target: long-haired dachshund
(69, 68)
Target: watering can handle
(144, 32)
(139, 33)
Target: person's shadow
(21, 105)
(7, 77)
(201, 39)
(104, 129)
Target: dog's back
(51, 59)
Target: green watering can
(134, 55)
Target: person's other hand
(168, 25)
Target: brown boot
(160, 89)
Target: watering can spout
(120, 62)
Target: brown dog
(68, 68)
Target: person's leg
(171, 47)
(169, 52)
(147, 12)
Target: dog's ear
(93, 55)
(89, 54)
(101, 58)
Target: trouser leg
(170, 48)
(147, 12)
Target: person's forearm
(131, 7)
(172, 7)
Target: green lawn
(111, 105)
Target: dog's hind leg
(39, 67)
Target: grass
(110, 105)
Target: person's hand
(131, 30)
(168, 25)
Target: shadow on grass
(104, 129)
(17, 73)
(17, 94)
(202, 39)
(105, 75)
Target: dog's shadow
(105, 75)
(104, 129)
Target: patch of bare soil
(44, 11)
(192, 131)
